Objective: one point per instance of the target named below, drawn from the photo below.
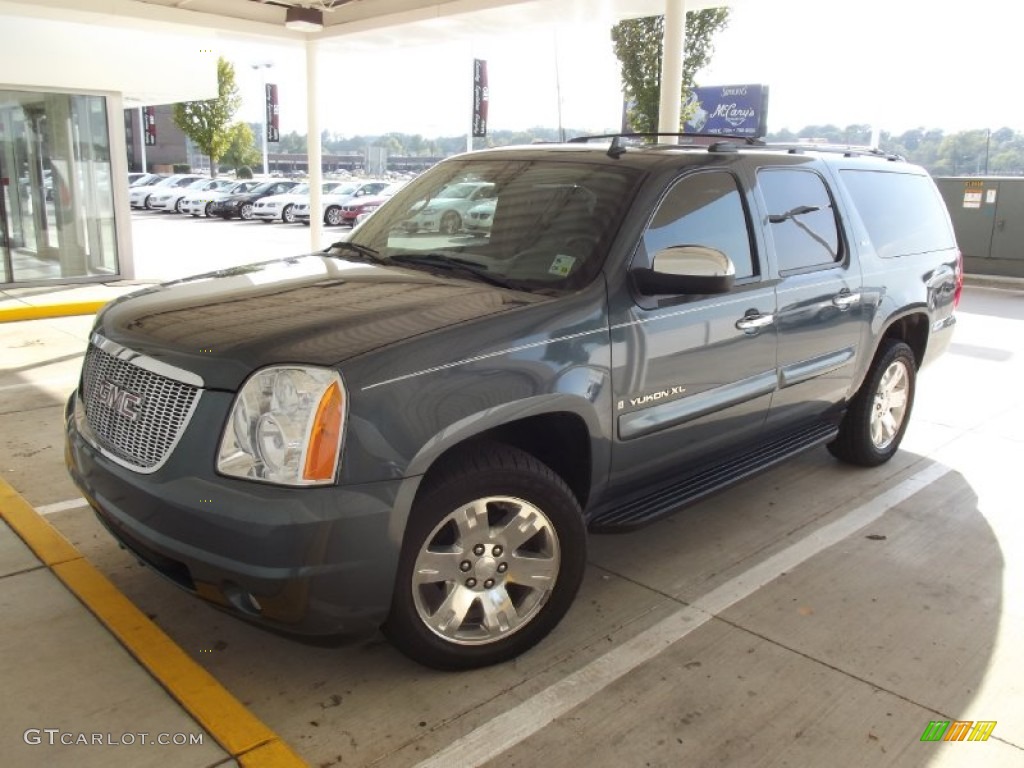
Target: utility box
(988, 217)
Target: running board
(668, 499)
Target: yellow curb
(43, 311)
(234, 727)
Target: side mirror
(694, 269)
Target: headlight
(285, 427)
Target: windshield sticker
(562, 265)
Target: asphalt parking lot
(815, 615)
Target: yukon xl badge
(650, 398)
(121, 401)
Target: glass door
(56, 196)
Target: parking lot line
(519, 723)
(62, 506)
(234, 727)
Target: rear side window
(903, 213)
(801, 218)
(704, 209)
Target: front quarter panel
(412, 402)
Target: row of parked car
(342, 202)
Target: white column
(673, 44)
(314, 152)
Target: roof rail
(847, 150)
(716, 137)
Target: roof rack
(847, 150)
(750, 140)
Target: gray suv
(414, 429)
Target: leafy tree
(638, 46)
(242, 151)
(292, 143)
(208, 123)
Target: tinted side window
(902, 213)
(704, 209)
(801, 218)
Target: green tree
(638, 46)
(242, 150)
(208, 123)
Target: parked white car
(198, 204)
(282, 207)
(171, 199)
(479, 218)
(331, 204)
(446, 212)
(138, 197)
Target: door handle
(754, 323)
(846, 300)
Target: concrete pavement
(842, 658)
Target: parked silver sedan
(171, 200)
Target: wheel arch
(912, 329)
(561, 431)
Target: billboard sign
(273, 124)
(730, 110)
(480, 97)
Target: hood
(310, 309)
(245, 197)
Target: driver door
(693, 376)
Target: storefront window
(56, 196)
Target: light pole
(262, 67)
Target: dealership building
(69, 69)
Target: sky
(895, 65)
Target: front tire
(878, 415)
(246, 211)
(492, 558)
(333, 216)
(288, 215)
(450, 223)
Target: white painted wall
(145, 67)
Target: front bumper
(311, 561)
(225, 209)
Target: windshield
(344, 189)
(529, 224)
(198, 184)
(302, 189)
(264, 187)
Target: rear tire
(878, 415)
(493, 556)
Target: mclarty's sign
(732, 110)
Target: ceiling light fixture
(304, 19)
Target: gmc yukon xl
(415, 429)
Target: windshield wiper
(363, 250)
(452, 264)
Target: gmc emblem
(121, 401)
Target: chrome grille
(134, 414)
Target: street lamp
(263, 66)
